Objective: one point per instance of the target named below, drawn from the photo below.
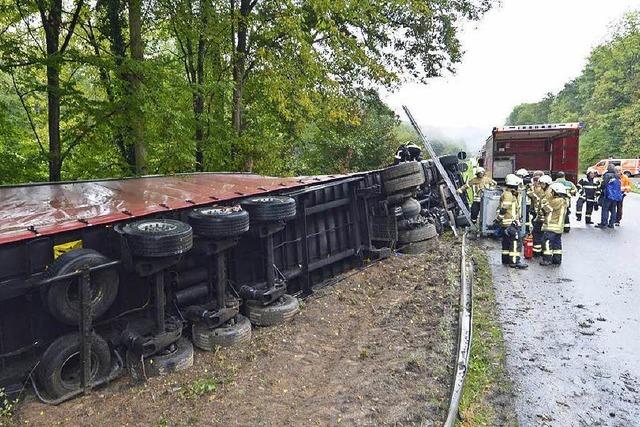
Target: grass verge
(487, 396)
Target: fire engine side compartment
(549, 148)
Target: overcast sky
(517, 53)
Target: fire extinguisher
(528, 246)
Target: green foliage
(302, 81)
(7, 406)
(606, 96)
(201, 387)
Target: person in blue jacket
(611, 195)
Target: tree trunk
(239, 64)
(198, 101)
(53, 106)
(135, 86)
(52, 22)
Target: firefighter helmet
(512, 180)
(545, 179)
(538, 174)
(480, 170)
(559, 188)
(522, 173)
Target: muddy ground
(375, 349)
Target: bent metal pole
(436, 161)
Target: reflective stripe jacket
(589, 189)
(555, 209)
(537, 195)
(510, 207)
(477, 185)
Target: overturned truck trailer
(102, 277)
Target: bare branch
(72, 26)
(26, 110)
(26, 23)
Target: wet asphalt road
(572, 332)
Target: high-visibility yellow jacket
(477, 185)
(510, 207)
(555, 210)
(537, 194)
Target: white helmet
(545, 179)
(591, 170)
(512, 180)
(480, 169)
(522, 173)
(559, 188)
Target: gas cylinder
(528, 246)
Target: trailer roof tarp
(32, 210)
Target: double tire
(269, 208)
(158, 237)
(59, 371)
(62, 298)
(402, 177)
(276, 313)
(219, 222)
(426, 232)
(177, 356)
(234, 332)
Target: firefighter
(589, 191)
(478, 184)
(523, 174)
(539, 193)
(408, 153)
(555, 212)
(508, 218)
(571, 191)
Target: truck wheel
(401, 169)
(177, 356)
(219, 221)
(59, 370)
(280, 311)
(158, 237)
(270, 208)
(62, 298)
(411, 208)
(426, 232)
(428, 173)
(408, 182)
(418, 247)
(235, 331)
(449, 160)
(398, 198)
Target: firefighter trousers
(537, 238)
(511, 249)
(552, 247)
(588, 211)
(475, 210)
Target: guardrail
(465, 327)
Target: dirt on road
(375, 349)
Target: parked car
(630, 167)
